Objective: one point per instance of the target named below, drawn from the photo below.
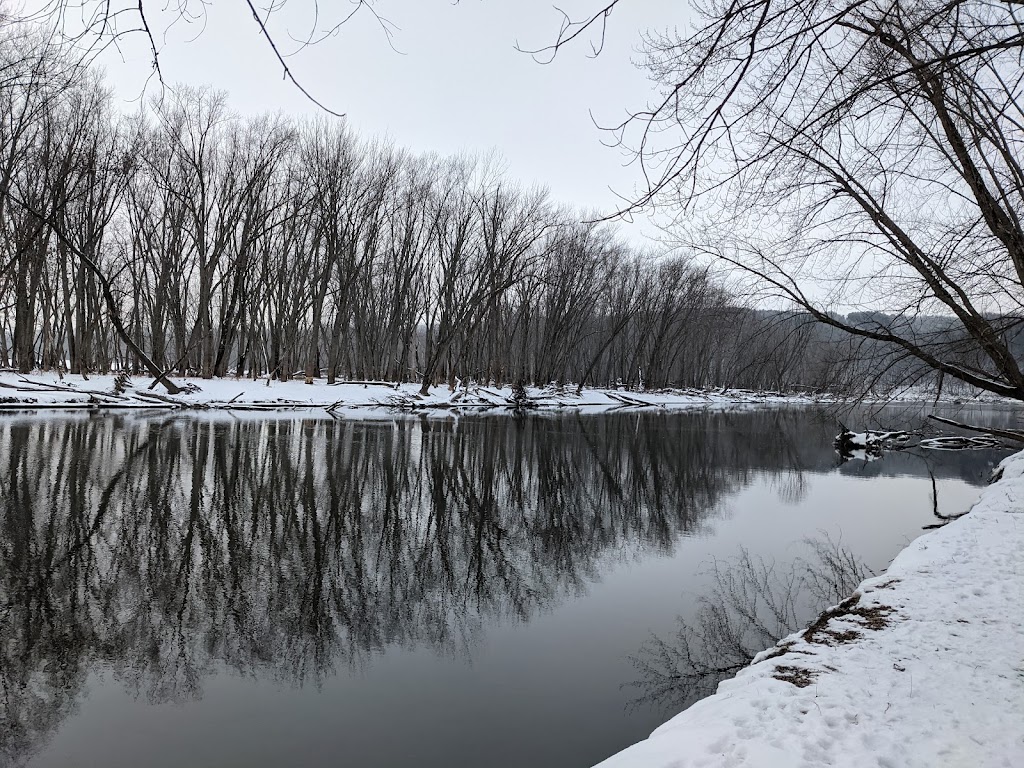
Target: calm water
(187, 591)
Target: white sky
(457, 85)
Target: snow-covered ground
(923, 666)
(47, 390)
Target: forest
(184, 239)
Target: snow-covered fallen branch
(848, 441)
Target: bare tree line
(840, 155)
(186, 240)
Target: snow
(47, 390)
(934, 676)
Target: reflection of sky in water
(509, 568)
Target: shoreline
(47, 391)
(922, 666)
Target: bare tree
(848, 155)
(481, 238)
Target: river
(252, 590)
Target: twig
(287, 71)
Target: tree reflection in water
(751, 605)
(163, 549)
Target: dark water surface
(190, 591)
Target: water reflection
(752, 604)
(165, 550)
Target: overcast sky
(456, 84)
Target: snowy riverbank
(47, 390)
(923, 666)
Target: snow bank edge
(722, 729)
